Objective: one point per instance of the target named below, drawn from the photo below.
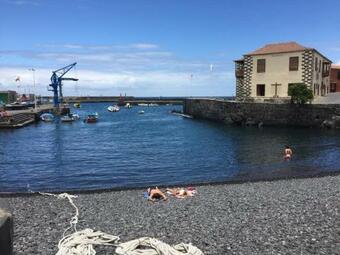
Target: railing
(325, 74)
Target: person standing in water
(288, 153)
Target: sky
(152, 47)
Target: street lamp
(35, 99)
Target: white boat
(67, 118)
(153, 104)
(113, 108)
(182, 114)
(47, 117)
(75, 116)
(142, 104)
(128, 105)
(141, 112)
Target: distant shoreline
(127, 99)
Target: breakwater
(267, 114)
(121, 99)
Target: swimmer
(288, 153)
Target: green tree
(299, 93)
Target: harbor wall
(267, 114)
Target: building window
(320, 66)
(293, 63)
(261, 65)
(338, 75)
(316, 64)
(333, 87)
(260, 90)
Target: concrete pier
(21, 118)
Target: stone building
(335, 78)
(266, 73)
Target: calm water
(126, 149)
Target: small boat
(91, 118)
(76, 105)
(67, 118)
(179, 113)
(142, 104)
(153, 104)
(47, 117)
(75, 116)
(113, 108)
(141, 112)
(128, 105)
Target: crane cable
(82, 242)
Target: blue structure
(56, 83)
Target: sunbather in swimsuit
(181, 192)
(155, 194)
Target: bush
(299, 93)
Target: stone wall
(267, 114)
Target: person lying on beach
(181, 192)
(155, 194)
(288, 153)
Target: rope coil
(82, 242)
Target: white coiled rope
(82, 242)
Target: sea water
(127, 149)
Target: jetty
(24, 117)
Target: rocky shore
(297, 216)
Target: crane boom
(56, 83)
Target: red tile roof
(279, 48)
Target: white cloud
(134, 46)
(106, 82)
(23, 2)
(109, 68)
(144, 46)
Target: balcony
(325, 73)
(326, 66)
(239, 73)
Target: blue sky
(152, 47)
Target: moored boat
(75, 116)
(47, 117)
(179, 113)
(76, 105)
(113, 108)
(128, 105)
(67, 118)
(91, 118)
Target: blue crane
(56, 83)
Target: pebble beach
(296, 216)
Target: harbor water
(126, 149)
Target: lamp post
(35, 99)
